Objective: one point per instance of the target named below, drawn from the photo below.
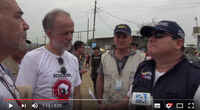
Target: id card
(118, 84)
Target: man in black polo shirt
(172, 81)
(168, 77)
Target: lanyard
(8, 86)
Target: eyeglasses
(61, 62)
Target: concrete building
(107, 42)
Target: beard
(61, 46)
(22, 46)
(14, 46)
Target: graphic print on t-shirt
(62, 89)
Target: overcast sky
(112, 12)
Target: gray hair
(50, 17)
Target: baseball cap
(123, 28)
(166, 26)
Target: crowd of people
(122, 78)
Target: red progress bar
(35, 99)
(53, 99)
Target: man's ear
(180, 44)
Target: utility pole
(94, 20)
(88, 29)
(196, 19)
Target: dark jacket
(180, 82)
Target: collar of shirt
(112, 53)
(121, 63)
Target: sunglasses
(61, 63)
(160, 34)
(121, 35)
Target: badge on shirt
(118, 84)
(62, 89)
(146, 75)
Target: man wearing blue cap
(117, 68)
(171, 78)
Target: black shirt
(95, 61)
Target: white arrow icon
(10, 105)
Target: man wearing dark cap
(117, 68)
(169, 77)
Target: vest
(111, 76)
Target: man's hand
(26, 93)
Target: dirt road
(85, 86)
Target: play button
(10, 106)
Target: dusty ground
(86, 84)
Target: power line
(117, 17)
(104, 22)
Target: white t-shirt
(41, 70)
(157, 76)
